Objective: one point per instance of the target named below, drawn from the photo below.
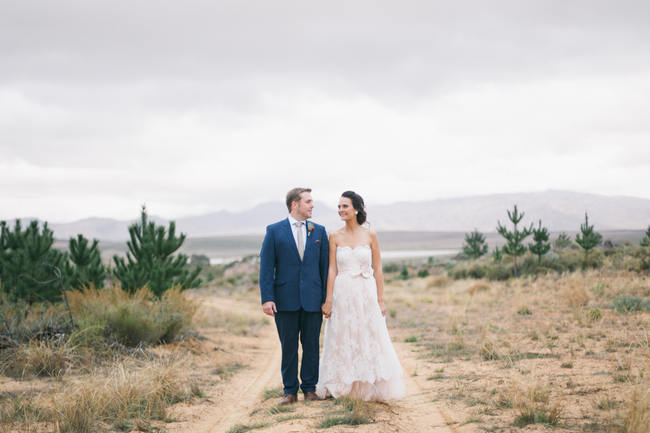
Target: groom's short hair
(294, 195)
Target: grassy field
(548, 350)
(563, 351)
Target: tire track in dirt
(232, 403)
(247, 389)
(417, 412)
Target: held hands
(327, 309)
(269, 308)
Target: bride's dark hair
(357, 204)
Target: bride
(358, 358)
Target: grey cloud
(367, 44)
(93, 84)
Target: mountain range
(558, 210)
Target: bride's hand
(382, 307)
(327, 309)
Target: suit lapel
(292, 240)
(308, 240)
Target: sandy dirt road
(241, 400)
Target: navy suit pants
(294, 326)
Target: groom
(293, 278)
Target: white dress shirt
(294, 230)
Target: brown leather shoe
(311, 396)
(288, 399)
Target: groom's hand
(269, 308)
(326, 308)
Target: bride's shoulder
(336, 235)
(369, 232)
(372, 235)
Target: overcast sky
(198, 106)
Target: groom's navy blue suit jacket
(285, 279)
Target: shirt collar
(292, 220)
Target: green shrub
(390, 267)
(594, 260)
(529, 264)
(459, 274)
(477, 271)
(21, 322)
(594, 314)
(563, 261)
(644, 258)
(524, 311)
(130, 325)
(404, 274)
(423, 273)
(130, 319)
(499, 272)
(629, 303)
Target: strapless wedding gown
(358, 358)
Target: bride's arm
(378, 270)
(331, 276)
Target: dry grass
(126, 393)
(20, 409)
(594, 314)
(130, 318)
(576, 295)
(38, 358)
(233, 323)
(557, 330)
(478, 287)
(439, 282)
(488, 350)
(533, 406)
(637, 418)
(352, 412)
(120, 395)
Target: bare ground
(240, 401)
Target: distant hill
(559, 211)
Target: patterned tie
(301, 243)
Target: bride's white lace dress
(358, 358)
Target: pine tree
(475, 245)
(541, 245)
(562, 242)
(404, 274)
(28, 263)
(588, 239)
(645, 242)
(150, 260)
(85, 265)
(645, 251)
(514, 240)
(497, 255)
(4, 246)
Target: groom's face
(304, 206)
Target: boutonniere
(310, 227)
